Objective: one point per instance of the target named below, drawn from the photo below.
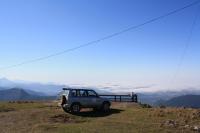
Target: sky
(146, 58)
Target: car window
(74, 93)
(79, 93)
(83, 93)
(92, 94)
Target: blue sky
(147, 56)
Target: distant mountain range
(22, 90)
(32, 87)
(155, 98)
(182, 101)
(16, 94)
(40, 89)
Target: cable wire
(186, 47)
(103, 38)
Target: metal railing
(121, 98)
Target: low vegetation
(41, 117)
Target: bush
(162, 106)
(145, 105)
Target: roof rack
(67, 88)
(76, 89)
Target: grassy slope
(124, 118)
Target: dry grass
(41, 117)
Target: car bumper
(66, 106)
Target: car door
(79, 96)
(93, 98)
(83, 98)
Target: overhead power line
(186, 46)
(103, 38)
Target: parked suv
(75, 99)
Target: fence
(121, 98)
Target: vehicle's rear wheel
(96, 109)
(75, 108)
(106, 106)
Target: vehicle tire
(96, 109)
(65, 109)
(75, 108)
(106, 107)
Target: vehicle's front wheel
(66, 109)
(106, 106)
(75, 108)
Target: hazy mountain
(156, 98)
(20, 94)
(48, 89)
(5, 83)
(35, 93)
(183, 101)
(32, 87)
(39, 88)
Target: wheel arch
(76, 103)
(106, 102)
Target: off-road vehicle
(72, 100)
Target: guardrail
(121, 98)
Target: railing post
(132, 97)
(136, 99)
